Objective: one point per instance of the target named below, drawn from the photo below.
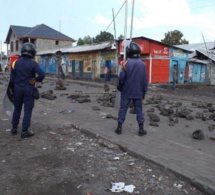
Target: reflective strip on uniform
(13, 65)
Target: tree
(121, 37)
(174, 38)
(86, 40)
(103, 36)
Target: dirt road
(61, 159)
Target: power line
(116, 15)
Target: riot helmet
(28, 49)
(133, 50)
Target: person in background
(174, 77)
(23, 78)
(133, 85)
(106, 71)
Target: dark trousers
(23, 96)
(125, 103)
(173, 85)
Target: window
(17, 45)
(11, 46)
(56, 42)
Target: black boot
(26, 133)
(141, 130)
(13, 131)
(119, 129)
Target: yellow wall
(89, 58)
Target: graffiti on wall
(202, 74)
(178, 54)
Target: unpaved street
(62, 159)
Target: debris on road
(120, 187)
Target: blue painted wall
(48, 64)
(197, 73)
(178, 57)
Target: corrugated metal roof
(82, 48)
(195, 46)
(210, 53)
(194, 60)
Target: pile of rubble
(80, 98)
(175, 110)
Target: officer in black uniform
(24, 73)
(133, 85)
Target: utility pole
(125, 30)
(132, 16)
(114, 25)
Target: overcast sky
(80, 18)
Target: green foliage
(174, 38)
(103, 36)
(86, 40)
(121, 37)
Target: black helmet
(28, 49)
(133, 50)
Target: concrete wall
(46, 44)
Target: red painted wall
(160, 58)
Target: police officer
(133, 85)
(23, 77)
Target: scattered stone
(166, 110)
(150, 110)
(107, 100)
(59, 86)
(212, 138)
(211, 127)
(211, 109)
(154, 100)
(62, 94)
(177, 104)
(153, 117)
(202, 105)
(199, 115)
(80, 98)
(182, 112)
(190, 117)
(209, 105)
(198, 134)
(110, 116)
(212, 116)
(48, 95)
(106, 87)
(194, 104)
(96, 108)
(83, 100)
(173, 118)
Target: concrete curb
(197, 183)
